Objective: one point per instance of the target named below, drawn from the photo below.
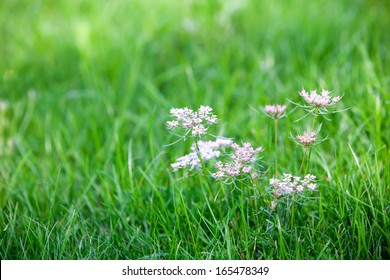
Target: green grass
(89, 86)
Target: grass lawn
(87, 86)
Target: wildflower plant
(316, 104)
(233, 161)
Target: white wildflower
(207, 151)
(319, 100)
(196, 122)
(290, 184)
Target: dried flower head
(207, 151)
(290, 184)
(195, 122)
(241, 162)
(275, 111)
(319, 100)
(307, 138)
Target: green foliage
(89, 85)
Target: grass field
(87, 87)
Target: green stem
(308, 160)
(292, 220)
(312, 129)
(303, 160)
(314, 119)
(225, 195)
(254, 194)
(276, 147)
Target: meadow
(86, 88)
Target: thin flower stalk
(303, 160)
(275, 112)
(307, 140)
(312, 129)
(317, 104)
(276, 147)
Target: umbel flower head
(290, 184)
(321, 100)
(307, 138)
(207, 151)
(275, 111)
(195, 122)
(242, 158)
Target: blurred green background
(97, 60)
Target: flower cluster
(196, 122)
(307, 139)
(275, 111)
(243, 157)
(207, 151)
(290, 184)
(319, 100)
